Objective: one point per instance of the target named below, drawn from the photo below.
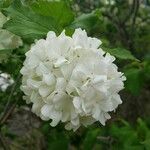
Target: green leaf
(3, 19)
(58, 10)
(86, 21)
(90, 139)
(120, 53)
(4, 55)
(126, 137)
(134, 80)
(60, 143)
(25, 23)
(146, 144)
(57, 140)
(5, 3)
(142, 126)
(144, 133)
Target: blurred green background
(124, 28)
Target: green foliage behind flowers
(119, 135)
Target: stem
(6, 111)
(4, 142)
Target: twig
(12, 91)
(7, 114)
(102, 138)
(17, 146)
(3, 142)
(9, 99)
(120, 27)
(135, 13)
(130, 12)
(121, 24)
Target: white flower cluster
(71, 79)
(5, 81)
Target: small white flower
(71, 80)
(5, 81)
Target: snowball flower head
(71, 80)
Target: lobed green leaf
(25, 23)
(121, 53)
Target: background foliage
(124, 28)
